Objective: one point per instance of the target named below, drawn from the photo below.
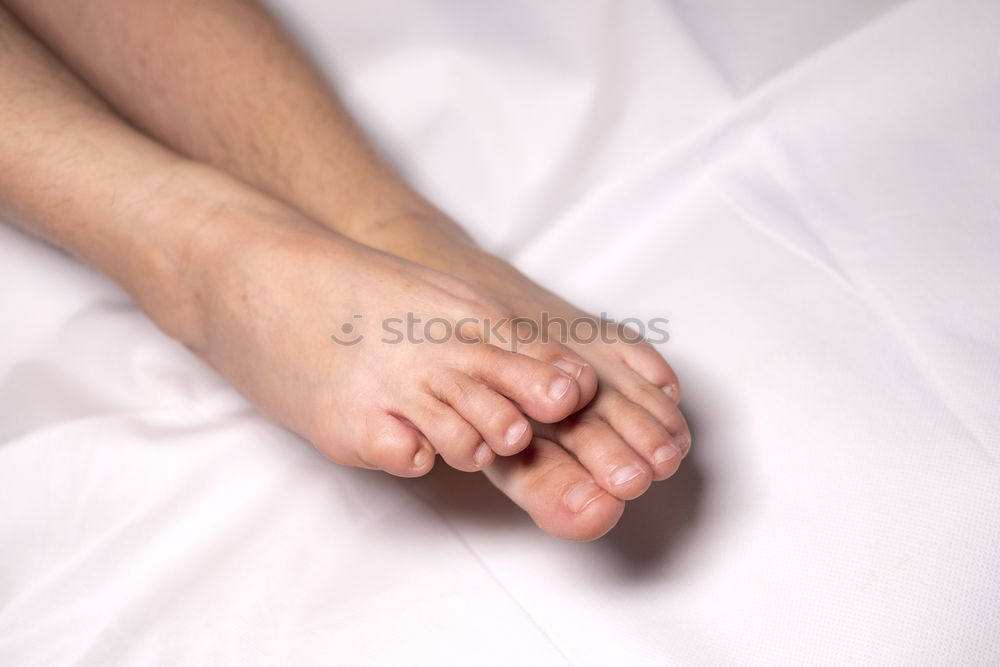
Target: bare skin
(231, 89)
(256, 289)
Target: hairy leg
(223, 83)
(257, 290)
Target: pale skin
(340, 233)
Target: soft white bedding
(809, 191)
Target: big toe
(556, 491)
(543, 391)
(531, 343)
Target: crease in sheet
(865, 290)
(489, 572)
(702, 143)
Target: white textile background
(809, 191)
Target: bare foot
(575, 477)
(279, 288)
(283, 294)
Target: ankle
(382, 214)
(401, 230)
(202, 225)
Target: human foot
(284, 287)
(297, 142)
(575, 476)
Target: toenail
(671, 392)
(582, 495)
(682, 442)
(559, 388)
(421, 458)
(625, 474)
(570, 367)
(665, 453)
(515, 433)
(483, 455)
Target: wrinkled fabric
(808, 192)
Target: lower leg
(223, 83)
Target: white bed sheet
(810, 192)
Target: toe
(543, 391)
(613, 464)
(526, 337)
(397, 448)
(656, 403)
(651, 366)
(502, 426)
(556, 491)
(449, 434)
(644, 433)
